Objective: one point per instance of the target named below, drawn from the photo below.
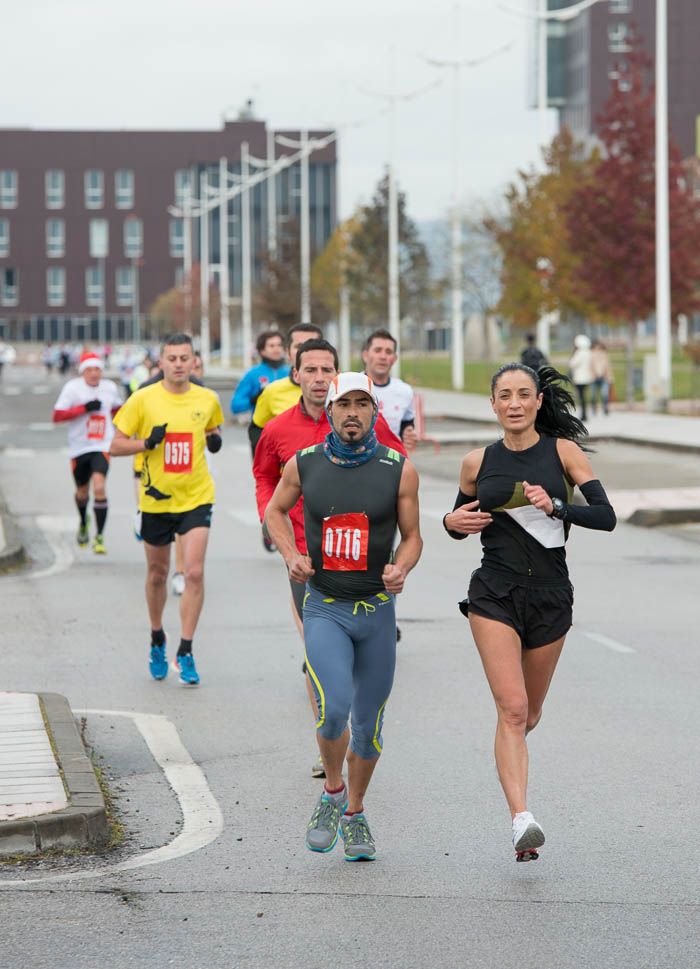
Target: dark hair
(530, 337)
(380, 335)
(317, 344)
(302, 328)
(264, 337)
(554, 416)
(176, 340)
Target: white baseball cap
(343, 383)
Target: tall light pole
(204, 339)
(271, 199)
(225, 355)
(663, 242)
(246, 286)
(187, 249)
(457, 297)
(304, 224)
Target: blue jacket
(252, 385)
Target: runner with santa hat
(88, 403)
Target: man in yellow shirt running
(172, 422)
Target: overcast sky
(182, 64)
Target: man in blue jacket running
(272, 367)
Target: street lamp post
(663, 242)
(225, 326)
(246, 286)
(204, 340)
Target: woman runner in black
(516, 494)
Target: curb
(653, 517)
(12, 552)
(84, 822)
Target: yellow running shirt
(275, 399)
(175, 475)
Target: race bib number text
(345, 542)
(96, 427)
(177, 453)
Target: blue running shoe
(184, 666)
(158, 663)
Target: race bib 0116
(96, 424)
(177, 453)
(345, 542)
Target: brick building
(86, 238)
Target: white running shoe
(177, 583)
(527, 834)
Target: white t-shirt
(94, 430)
(395, 403)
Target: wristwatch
(558, 509)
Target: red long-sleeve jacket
(282, 437)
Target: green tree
(535, 230)
(367, 272)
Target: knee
(194, 574)
(365, 743)
(157, 574)
(334, 720)
(513, 712)
(533, 718)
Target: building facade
(587, 54)
(89, 234)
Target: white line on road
(40, 389)
(42, 426)
(19, 452)
(12, 391)
(609, 643)
(54, 527)
(202, 820)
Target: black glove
(93, 405)
(155, 437)
(213, 442)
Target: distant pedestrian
(531, 354)
(603, 376)
(48, 358)
(581, 369)
(64, 360)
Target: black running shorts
(85, 465)
(160, 528)
(539, 612)
(298, 593)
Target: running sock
(349, 814)
(81, 505)
(157, 637)
(185, 647)
(338, 790)
(100, 509)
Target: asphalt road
(612, 779)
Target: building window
(55, 286)
(618, 37)
(8, 189)
(124, 188)
(620, 6)
(133, 238)
(55, 238)
(94, 189)
(4, 237)
(177, 238)
(9, 287)
(99, 238)
(183, 181)
(124, 279)
(93, 286)
(55, 188)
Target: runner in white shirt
(88, 403)
(395, 396)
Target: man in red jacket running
(302, 426)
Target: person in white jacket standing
(581, 369)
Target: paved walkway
(30, 782)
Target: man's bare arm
(279, 525)
(122, 446)
(411, 544)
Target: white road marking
(19, 452)
(12, 391)
(246, 516)
(40, 389)
(202, 820)
(609, 643)
(42, 426)
(54, 528)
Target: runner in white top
(88, 403)
(395, 396)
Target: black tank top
(522, 539)
(350, 520)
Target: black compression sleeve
(460, 500)
(598, 513)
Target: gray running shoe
(322, 829)
(359, 844)
(318, 770)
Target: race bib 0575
(177, 453)
(345, 542)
